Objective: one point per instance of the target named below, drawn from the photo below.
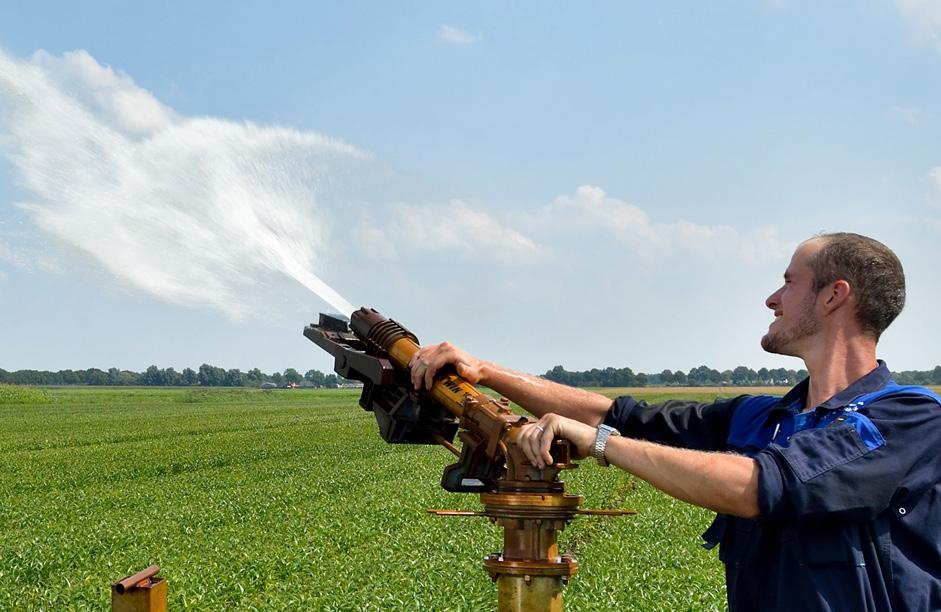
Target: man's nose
(773, 300)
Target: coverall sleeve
(680, 423)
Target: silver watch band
(601, 442)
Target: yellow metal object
(530, 572)
(528, 503)
(142, 592)
(529, 594)
(450, 390)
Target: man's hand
(534, 394)
(536, 438)
(429, 359)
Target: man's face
(795, 320)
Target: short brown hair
(871, 269)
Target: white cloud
(593, 215)
(456, 36)
(590, 209)
(925, 17)
(573, 228)
(567, 228)
(455, 230)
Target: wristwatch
(601, 441)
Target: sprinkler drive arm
(376, 351)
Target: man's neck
(833, 370)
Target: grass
(16, 394)
(285, 500)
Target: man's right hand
(536, 395)
(429, 359)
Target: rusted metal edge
(598, 512)
(440, 440)
(455, 512)
(132, 581)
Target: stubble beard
(782, 342)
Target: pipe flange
(496, 566)
(531, 506)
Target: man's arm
(722, 482)
(536, 395)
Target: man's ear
(836, 294)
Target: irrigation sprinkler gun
(530, 504)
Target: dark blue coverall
(849, 493)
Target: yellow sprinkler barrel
(449, 389)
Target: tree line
(211, 376)
(704, 376)
(205, 376)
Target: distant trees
(94, 376)
(254, 377)
(742, 376)
(916, 377)
(188, 377)
(153, 377)
(233, 378)
(319, 379)
(315, 377)
(607, 377)
(206, 376)
(700, 376)
(211, 376)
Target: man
(828, 498)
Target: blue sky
(544, 183)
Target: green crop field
(284, 500)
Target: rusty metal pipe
(454, 450)
(142, 592)
(132, 581)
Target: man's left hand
(536, 438)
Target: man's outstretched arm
(722, 482)
(536, 395)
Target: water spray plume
(325, 291)
(195, 211)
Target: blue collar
(795, 399)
